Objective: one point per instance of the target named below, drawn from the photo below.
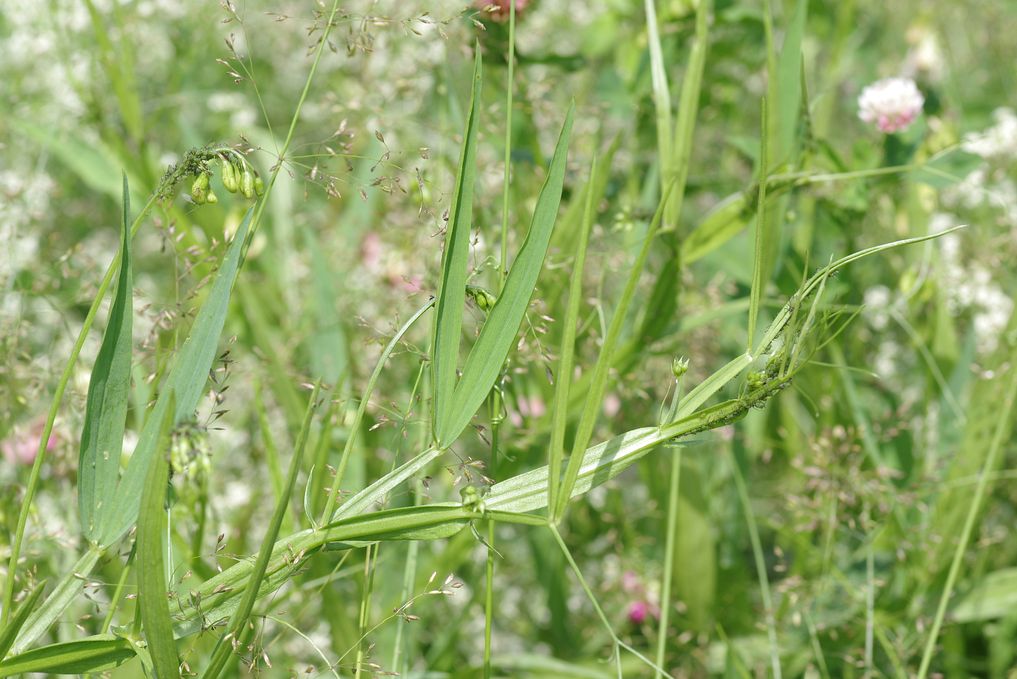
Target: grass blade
(764, 236)
(595, 393)
(224, 648)
(560, 408)
(152, 599)
(499, 332)
(102, 434)
(1000, 436)
(11, 629)
(661, 98)
(789, 85)
(186, 381)
(94, 654)
(451, 297)
(358, 418)
(67, 589)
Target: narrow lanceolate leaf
(598, 383)
(499, 332)
(452, 287)
(186, 381)
(94, 654)
(42, 617)
(789, 85)
(224, 647)
(155, 613)
(559, 416)
(10, 631)
(106, 408)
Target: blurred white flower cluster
(996, 142)
(891, 104)
(970, 286)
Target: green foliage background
(860, 478)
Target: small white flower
(998, 141)
(890, 104)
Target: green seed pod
(259, 186)
(679, 366)
(199, 189)
(211, 197)
(481, 297)
(229, 176)
(247, 184)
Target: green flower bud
(229, 176)
(211, 197)
(679, 366)
(199, 189)
(481, 297)
(247, 184)
(259, 186)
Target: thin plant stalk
(995, 447)
(669, 547)
(757, 553)
(333, 493)
(618, 643)
(370, 561)
(503, 262)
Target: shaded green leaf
(13, 626)
(186, 381)
(102, 434)
(995, 596)
(152, 599)
(498, 335)
(451, 296)
(94, 654)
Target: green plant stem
(277, 168)
(370, 558)
(669, 547)
(757, 553)
(995, 447)
(759, 276)
(409, 574)
(503, 262)
(333, 493)
(618, 643)
(54, 409)
(488, 599)
(115, 600)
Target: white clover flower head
(890, 104)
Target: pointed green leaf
(560, 407)
(452, 287)
(10, 632)
(789, 85)
(102, 434)
(67, 589)
(155, 613)
(94, 654)
(499, 332)
(186, 381)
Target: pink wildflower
(890, 104)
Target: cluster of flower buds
(237, 175)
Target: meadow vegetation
(508, 339)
